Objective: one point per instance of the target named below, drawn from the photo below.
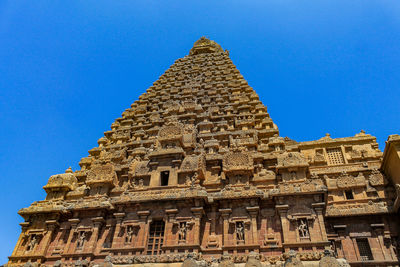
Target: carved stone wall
(195, 173)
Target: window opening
(164, 178)
(349, 194)
(364, 249)
(156, 238)
(335, 156)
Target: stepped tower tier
(195, 172)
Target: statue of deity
(81, 239)
(240, 231)
(182, 231)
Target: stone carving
(139, 168)
(204, 45)
(81, 263)
(189, 261)
(359, 209)
(65, 181)
(292, 260)
(291, 159)
(171, 131)
(345, 181)
(32, 243)
(102, 174)
(328, 260)
(197, 164)
(237, 161)
(376, 178)
(226, 261)
(240, 231)
(303, 228)
(253, 260)
(182, 231)
(192, 163)
(129, 234)
(81, 239)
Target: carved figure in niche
(201, 143)
(81, 239)
(182, 231)
(193, 179)
(140, 183)
(188, 180)
(319, 156)
(133, 184)
(240, 231)
(151, 149)
(129, 234)
(32, 243)
(303, 228)
(293, 175)
(239, 179)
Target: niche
(164, 178)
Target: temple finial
(205, 45)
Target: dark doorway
(164, 178)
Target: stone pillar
(318, 207)
(74, 223)
(225, 216)
(97, 222)
(24, 227)
(169, 237)
(355, 246)
(50, 225)
(119, 216)
(282, 209)
(387, 235)
(213, 217)
(296, 227)
(253, 211)
(173, 175)
(197, 212)
(143, 231)
(155, 178)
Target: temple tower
(195, 171)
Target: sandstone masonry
(196, 174)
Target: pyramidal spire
(197, 114)
(202, 100)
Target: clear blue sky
(69, 68)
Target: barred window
(335, 156)
(156, 238)
(364, 248)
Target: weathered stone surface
(292, 260)
(189, 262)
(253, 260)
(196, 167)
(328, 260)
(226, 261)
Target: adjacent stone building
(195, 173)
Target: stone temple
(196, 174)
